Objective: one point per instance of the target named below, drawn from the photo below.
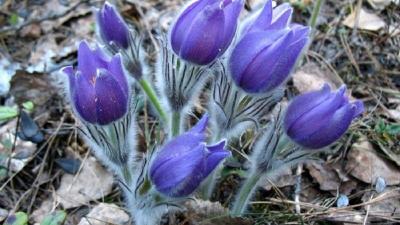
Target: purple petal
(257, 74)
(112, 26)
(203, 40)
(304, 103)
(281, 16)
(216, 154)
(201, 125)
(284, 65)
(89, 60)
(117, 71)
(315, 118)
(249, 47)
(184, 21)
(231, 11)
(263, 20)
(111, 100)
(69, 71)
(168, 176)
(331, 130)
(359, 108)
(84, 99)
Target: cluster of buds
(248, 60)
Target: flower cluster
(247, 63)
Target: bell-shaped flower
(112, 28)
(185, 161)
(317, 119)
(267, 50)
(98, 87)
(205, 29)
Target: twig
(297, 193)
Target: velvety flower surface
(185, 161)
(205, 29)
(268, 49)
(112, 27)
(98, 86)
(317, 119)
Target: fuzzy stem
(151, 94)
(246, 192)
(175, 123)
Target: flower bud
(267, 51)
(185, 161)
(317, 119)
(98, 87)
(112, 27)
(205, 29)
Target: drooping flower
(98, 87)
(205, 29)
(268, 49)
(112, 27)
(185, 161)
(317, 119)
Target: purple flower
(317, 119)
(98, 87)
(112, 27)
(205, 29)
(268, 50)
(185, 161)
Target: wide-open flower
(185, 161)
(98, 87)
(112, 27)
(268, 49)
(205, 29)
(317, 119)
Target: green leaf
(55, 218)
(19, 218)
(7, 113)
(28, 106)
(13, 19)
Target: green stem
(245, 194)
(315, 13)
(175, 123)
(151, 94)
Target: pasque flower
(317, 119)
(205, 29)
(98, 87)
(112, 27)
(185, 161)
(268, 49)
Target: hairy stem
(175, 123)
(246, 192)
(151, 94)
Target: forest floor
(355, 43)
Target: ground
(355, 43)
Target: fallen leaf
(387, 207)
(211, 213)
(326, 177)
(105, 214)
(366, 21)
(91, 183)
(365, 164)
(310, 78)
(283, 179)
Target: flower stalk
(245, 193)
(151, 94)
